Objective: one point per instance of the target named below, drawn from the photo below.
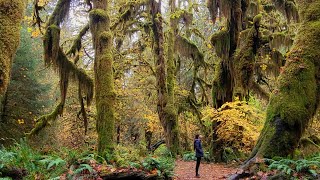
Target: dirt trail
(186, 170)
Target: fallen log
(156, 145)
(137, 175)
(12, 172)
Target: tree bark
(104, 82)
(296, 97)
(166, 109)
(11, 14)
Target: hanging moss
(188, 49)
(245, 57)
(213, 6)
(54, 56)
(281, 40)
(268, 7)
(51, 44)
(288, 8)
(60, 12)
(221, 90)
(76, 46)
(253, 8)
(221, 43)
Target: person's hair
(197, 136)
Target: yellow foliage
(239, 125)
(20, 121)
(263, 67)
(42, 3)
(35, 33)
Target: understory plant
(302, 168)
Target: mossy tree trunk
(165, 84)
(296, 97)
(225, 42)
(11, 14)
(104, 83)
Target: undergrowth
(296, 169)
(72, 164)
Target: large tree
(165, 75)
(11, 14)
(296, 97)
(104, 82)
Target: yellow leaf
(35, 33)
(263, 67)
(20, 121)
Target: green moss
(44, 120)
(189, 49)
(268, 7)
(106, 35)
(104, 81)
(295, 99)
(221, 41)
(99, 15)
(60, 12)
(11, 14)
(310, 13)
(257, 19)
(76, 46)
(245, 58)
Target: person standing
(199, 152)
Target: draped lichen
(189, 49)
(245, 57)
(288, 8)
(221, 42)
(54, 56)
(77, 45)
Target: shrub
(189, 156)
(236, 125)
(164, 166)
(308, 168)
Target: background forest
(103, 89)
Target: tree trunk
(11, 14)
(104, 83)
(223, 83)
(295, 99)
(166, 109)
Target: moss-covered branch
(54, 56)
(76, 46)
(44, 120)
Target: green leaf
(313, 172)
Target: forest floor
(186, 170)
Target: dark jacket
(198, 148)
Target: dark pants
(197, 165)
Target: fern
(83, 167)
(306, 167)
(52, 162)
(189, 156)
